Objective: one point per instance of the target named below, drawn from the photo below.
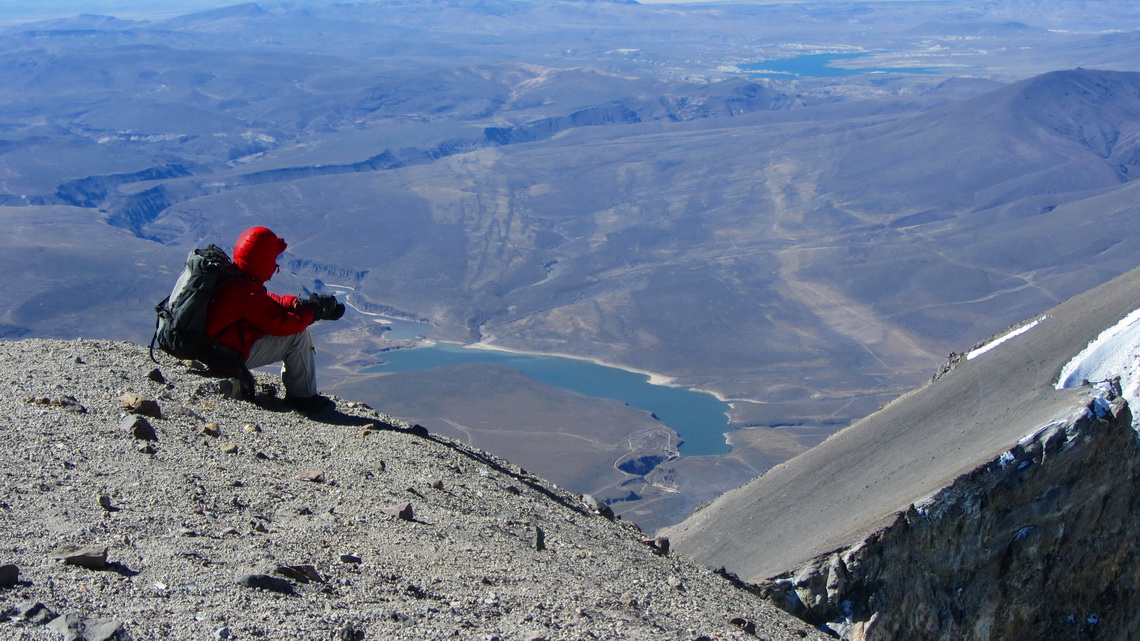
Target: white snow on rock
(1005, 337)
(1116, 352)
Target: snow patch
(1005, 337)
(1116, 352)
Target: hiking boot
(310, 404)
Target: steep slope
(205, 517)
(850, 503)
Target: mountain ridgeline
(985, 505)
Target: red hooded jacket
(242, 310)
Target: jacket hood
(256, 252)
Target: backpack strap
(158, 309)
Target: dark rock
(92, 558)
(744, 624)
(9, 575)
(156, 376)
(71, 404)
(401, 510)
(139, 428)
(539, 539)
(74, 627)
(300, 573)
(598, 507)
(350, 558)
(348, 633)
(28, 612)
(266, 582)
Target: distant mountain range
(592, 179)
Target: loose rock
(300, 573)
(138, 404)
(266, 582)
(30, 612)
(401, 510)
(313, 476)
(92, 558)
(139, 428)
(598, 507)
(9, 575)
(77, 628)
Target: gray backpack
(180, 329)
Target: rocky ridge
(1039, 543)
(141, 502)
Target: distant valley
(600, 180)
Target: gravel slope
(487, 550)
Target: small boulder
(744, 624)
(300, 573)
(139, 404)
(9, 575)
(598, 507)
(139, 428)
(29, 612)
(92, 558)
(402, 510)
(77, 628)
(266, 582)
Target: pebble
(313, 476)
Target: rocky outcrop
(1041, 543)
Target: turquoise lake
(818, 65)
(699, 418)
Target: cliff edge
(141, 502)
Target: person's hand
(325, 307)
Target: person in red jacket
(266, 328)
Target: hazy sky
(25, 10)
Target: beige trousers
(297, 357)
